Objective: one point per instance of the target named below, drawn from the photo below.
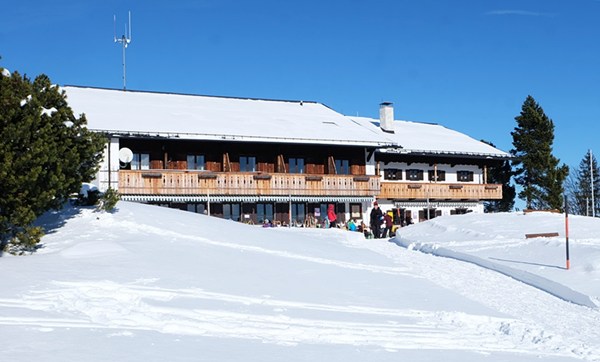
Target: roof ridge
(193, 94)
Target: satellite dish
(125, 155)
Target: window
(464, 176)
(414, 175)
(231, 211)
(197, 208)
(298, 212)
(296, 165)
(441, 175)
(195, 162)
(264, 211)
(392, 174)
(247, 163)
(428, 214)
(460, 211)
(356, 211)
(140, 161)
(342, 167)
(323, 211)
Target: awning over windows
(436, 204)
(249, 199)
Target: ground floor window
(322, 212)
(299, 212)
(197, 208)
(428, 214)
(231, 211)
(356, 211)
(401, 216)
(264, 212)
(459, 211)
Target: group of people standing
(381, 224)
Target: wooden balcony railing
(177, 182)
(440, 191)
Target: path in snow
(564, 327)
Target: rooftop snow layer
(429, 138)
(222, 118)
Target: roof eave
(240, 138)
(479, 155)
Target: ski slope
(152, 284)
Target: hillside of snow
(147, 283)
(499, 241)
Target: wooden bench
(541, 235)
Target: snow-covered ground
(153, 284)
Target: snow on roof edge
(226, 137)
(194, 94)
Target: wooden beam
(541, 235)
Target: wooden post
(208, 202)
(109, 163)
(485, 174)
(290, 212)
(567, 233)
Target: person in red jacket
(331, 215)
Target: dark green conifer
(537, 171)
(581, 193)
(45, 154)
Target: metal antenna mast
(125, 39)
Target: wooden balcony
(181, 182)
(440, 191)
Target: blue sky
(467, 65)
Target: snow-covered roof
(218, 118)
(428, 138)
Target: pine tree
(537, 171)
(580, 190)
(501, 174)
(45, 154)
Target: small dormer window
(392, 174)
(414, 175)
(464, 176)
(441, 175)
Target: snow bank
(554, 288)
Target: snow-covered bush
(25, 241)
(89, 195)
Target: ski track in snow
(562, 321)
(564, 329)
(134, 307)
